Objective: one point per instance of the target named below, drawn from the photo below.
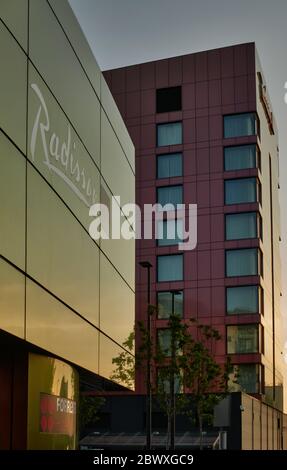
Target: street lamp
(172, 384)
(147, 265)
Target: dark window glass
(169, 195)
(169, 268)
(169, 232)
(242, 339)
(168, 303)
(240, 157)
(243, 299)
(169, 134)
(168, 99)
(245, 378)
(163, 381)
(242, 225)
(242, 190)
(164, 341)
(169, 165)
(244, 262)
(237, 125)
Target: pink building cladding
(204, 135)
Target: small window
(241, 157)
(242, 225)
(168, 99)
(243, 262)
(169, 232)
(169, 195)
(169, 303)
(245, 378)
(242, 339)
(169, 134)
(164, 381)
(164, 341)
(169, 165)
(239, 125)
(242, 190)
(169, 268)
(244, 299)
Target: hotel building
(204, 133)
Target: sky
(125, 32)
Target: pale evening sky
(125, 32)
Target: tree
(124, 371)
(203, 376)
(184, 361)
(88, 410)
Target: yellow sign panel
(52, 404)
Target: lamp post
(172, 384)
(147, 265)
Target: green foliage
(124, 371)
(88, 409)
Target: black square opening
(168, 99)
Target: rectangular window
(242, 190)
(164, 379)
(242, 225)
(169, 303)
(245, 378)
(164, 341)
(169, 195)
(169, 134)
(169, 165)
(238, 125)
(242, 339)
(168, 99)
(243, 262)
(169, 232)
(241, 157)
(244, 299)
(169, 268)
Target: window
(245, 377)
(241, 157)
(164, 378)
(169, 195)
(169, 134)
(238, 125)
(169, 165)
(168, 99)
(169, 232)
(164, 341)
(242, 339)
(242, 225)
(168, 303)
(242, 190)
(244, 299)
(243, 262)
(169, 268)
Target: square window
(169, 232)
(241, 157)
(238, 125)
(242, 225)
(169, 165)
(169, 268)
(168, 303)
(244, 299)
(242, 339)
(169, 134)
(242, 190)
(243, 262)
(245, 378)
(169, 195)
(168, 99)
